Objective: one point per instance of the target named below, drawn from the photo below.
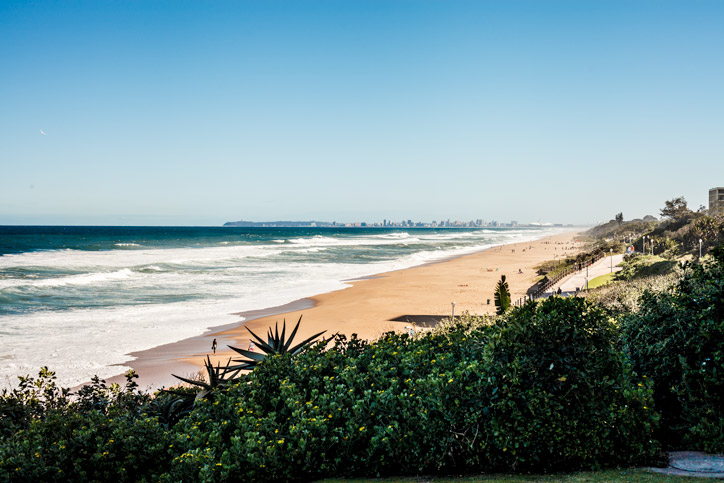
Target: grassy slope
(602, 280)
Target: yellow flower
(362, 428)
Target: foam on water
(81, 312)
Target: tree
(502, 296)
(619, 219)
(676, 209)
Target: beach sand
(368, 307)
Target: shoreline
(367, 307)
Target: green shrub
(100, 433)
(542, 388)
(565, 398)
(545, 389)
(624, 296)
(642, 266)
(677, 339)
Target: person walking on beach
(213, 346)
(251, 346)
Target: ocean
(80, 299)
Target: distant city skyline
(197, 113)
(409, 223)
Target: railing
(576, 267)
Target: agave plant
(170, 410)
(275, 344)
(219, 377)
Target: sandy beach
(367, 308)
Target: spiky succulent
(219, 377)
(170, 410)
(275, 344)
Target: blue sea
(80, 299)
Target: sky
(200, 112)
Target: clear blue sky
(178, 112)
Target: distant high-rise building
(716, 201)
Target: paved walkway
(578, 280)
(693, 463)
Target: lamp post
(610, 250)
(700, 242)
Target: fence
(576, 267)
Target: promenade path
(569, 284)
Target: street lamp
(610, 250)
(700, 242)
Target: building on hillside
(716, 201)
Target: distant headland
(280, 224)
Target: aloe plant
(275, 344)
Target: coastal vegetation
(609, 380)
(502, 296)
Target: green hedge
(677, 339)
(542, 390)
(101, 433)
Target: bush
(544, 389)
(566, 398)
(677, 339)
(624, 296)
(642, 266)
(99, 434)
